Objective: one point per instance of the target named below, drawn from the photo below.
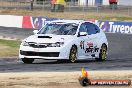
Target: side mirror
(35, 31)
(82, 33)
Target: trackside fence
(71, 6)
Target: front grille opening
(44, 54)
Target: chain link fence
(71, 6)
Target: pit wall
(38, 22)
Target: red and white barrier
(11, 21)
(25, 21)
(38, 22)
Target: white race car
(65, 39)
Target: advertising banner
(116, 26)
(36, 22)
(39, 22)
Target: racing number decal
(82, 44)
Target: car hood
(48, 38)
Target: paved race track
(119, 57)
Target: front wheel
(27, 60)
(102, 54)
(73, 54)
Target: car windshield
(59, 29)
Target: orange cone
(84, 74)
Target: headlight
(57, 44)
(24, 43)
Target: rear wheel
(27, 60)
(102, 54)
(73, 54)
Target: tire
(102, 54)
(27, 60)
(73, 54)
(85, 81)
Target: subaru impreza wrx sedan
(65, 40)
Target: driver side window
(83, 27)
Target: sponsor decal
(90, 48)
(116, 26)
(85, 81)
(39, 22)
(35, 22)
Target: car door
(84, 41)
(92, 38)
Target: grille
(44, 54)
(37, 45)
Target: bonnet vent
(44, 37)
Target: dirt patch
(3, 47)
(57, 79)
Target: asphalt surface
(15, 32)
(119, 56)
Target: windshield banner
(116, 26)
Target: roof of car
(69, 21)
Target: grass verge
(9, 48)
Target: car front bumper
(44, 53)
